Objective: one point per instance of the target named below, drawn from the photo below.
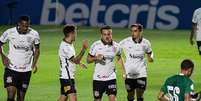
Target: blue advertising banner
(153, 14)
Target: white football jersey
(135, 65)
(105, 70)
(67, 67)
(20, 48)
(197, 19)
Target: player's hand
(85, 44)
(83, 66)
(34, 69)
(191, 42)
(5, 61)
(99, 57)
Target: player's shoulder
(97, 43)
(11, 30)
(146, 41)
(33, 31)
(198, 10)
(125, 40)
(116, 44)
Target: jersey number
(173, 93)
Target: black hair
(68, 29)
(24, 18)
(105, 27)
(139, 26)
(187, 64)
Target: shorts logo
(128, 87)
(200, 48)
(67, 88)
(96, 93)
(141, 82)
(24, 85)
(9, 79)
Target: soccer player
(24, 50)
(67, 62)
(180, 87)
(135, 47)
(196, 28)
(103, 53)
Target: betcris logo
(117, 13)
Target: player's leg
(199, 47)
(10, 83)
(11, 91)
(23, 84)
(111, 90)
(98, 89)
(130, 88)
(72, 97)
(141, 86)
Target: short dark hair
(24, 18)
(187, 64)
(139, 26)
(68, 29)
(105, 27)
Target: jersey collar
(140, 40)
(111, 43)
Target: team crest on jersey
(66, 88)
(29, 39)
(96, 93)
(9, 79)
(114, 49)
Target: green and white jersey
(177, 86)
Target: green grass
(170, 48)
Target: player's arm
(162, 97)
(121, 62)
(91, 58)
(4, 58)
(35, 57)
(193, 30)
(150, 57)
(78, 58)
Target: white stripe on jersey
(66, 52)
(20, 48)
(197, 19)
(105, 70)
(135, 65)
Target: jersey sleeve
(118, 50)
(68, 52)
(148, 48)
(4, 37)
(164, 87)
(92, 50)
(194, 18)
(189, 88)
(36, 38)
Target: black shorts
(199, 46)
(20, 80)
(132, 84)
(67, 86)
(99, 87)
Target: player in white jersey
(68, 60)
(22, 57)
(135, 47)
(103, 53)
(196, 28)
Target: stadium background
(167, 24)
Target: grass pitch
(169, 47)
